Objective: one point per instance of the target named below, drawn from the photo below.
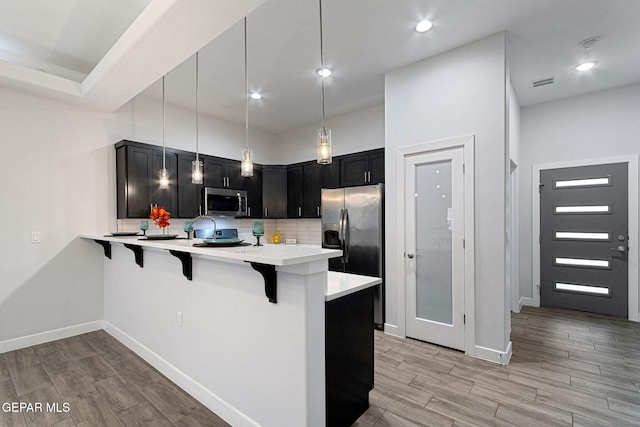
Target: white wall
(350, 133)
(513, 202)
(459, 92)
(597, 125)
(58, 178)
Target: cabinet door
(376, 167)
(312, 185)
(294, 191)
(234, 176)
(189, 194)
(254, 193)
(331, 174)
(353, 170)
(214, 172)
(274, 191)
(139, 170)
(167, 197)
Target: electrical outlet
(35, 237)
(179, 318)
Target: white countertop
(341, 284)
(272, 254)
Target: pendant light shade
(197, 173)
(323, 141)
(246, 168)
(163, 174)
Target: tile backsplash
(305, 231)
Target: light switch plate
(290, 241)
(35, 237)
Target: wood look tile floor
(103, 382)
(568, 369)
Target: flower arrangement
(160, 216)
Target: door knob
(410, 255)
(621, 237)
(620, 249)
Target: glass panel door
(433, 242)
(434, 252)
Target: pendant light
(246, 168)
(164, 175)
(323, 140)
(196, 165)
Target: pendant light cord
(246, 88)
(324, 129)
(164, 123)
(197, 96)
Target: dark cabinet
(331, 174)
(189, 194)
(349, 364)
(362, 168)
(274, 191)
(222, 173)
(137, 180)
(312, 184)
(254, 193)
(294, 191)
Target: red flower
(160, 216)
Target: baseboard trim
(188, 384)
(496, 356)
(526, 301)
(393, 330)
(48, 336)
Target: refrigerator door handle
(347, 240)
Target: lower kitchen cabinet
(349, 356)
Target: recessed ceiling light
(256, 95)
(424, 26)
(324, 72)
(585, 66)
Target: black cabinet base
(349, 357)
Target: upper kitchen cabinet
(362, 168)
(137, 180)
(189, 194)
(254, 193)
(312, 184)
(331, 174)
(295, 187)
(222, 173)
(274, 191)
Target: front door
(583, 238)
(434, 257)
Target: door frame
(466, 142)
(632, 190)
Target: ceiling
(363, 39)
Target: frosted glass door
(433, 242)
(434, 251)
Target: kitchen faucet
(198, 218)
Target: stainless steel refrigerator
(352, 220)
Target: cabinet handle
(299, 210)
(365, 176)
(248, 211)
(266, 211)
(318, 210)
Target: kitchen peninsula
(249, 348)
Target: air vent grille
(543, 82)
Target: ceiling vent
(542, 82)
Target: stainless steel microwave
(225, 202)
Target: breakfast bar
(252, 355)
